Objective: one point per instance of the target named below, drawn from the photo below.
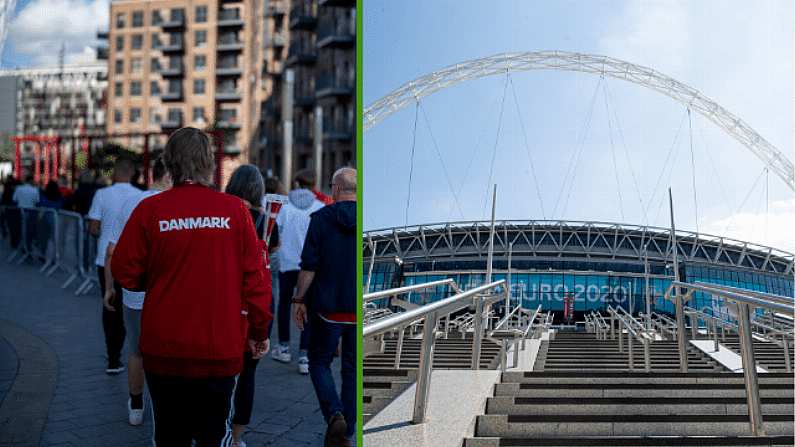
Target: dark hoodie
(330, 252)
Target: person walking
(132, 302)
(247, 184)
(325, 300)
(105, 209)
(26, 195)
(292, 222)
(195, 253)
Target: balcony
(276, 10)
(301, 55)
(174, 45)
(336, 33)
(229, 18)
(302, 18)
(338, 133)
(277, 40)
(172, 121)
(229, 43)
(173, 70)
(341, 3)
(334, 86)
(176, 21)
(228, 70)
(227, 122)
(171, 95)
(227, 94)
(304, 99)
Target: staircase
(582, 351)
(620, 408)
(768, 355)
(581, 393)
(383, 383)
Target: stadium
(595, 263)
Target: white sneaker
(136, 416)
(281, 354)
(303, 365)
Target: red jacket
(196, 254)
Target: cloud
(774, 229)
(653, 33)
(43, 26)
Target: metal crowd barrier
(58, 239)
(430, 314)
(743, 301)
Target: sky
(738, 53)
(39, 28)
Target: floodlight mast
(497, 64)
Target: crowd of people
(192, 277)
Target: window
(174, 86)
(177, 15)
(201, 14)
(156, 43)
(138, 18)
(119, 43)
(136, 65)
(117, 116)
(154, 88)
(120, 17)
(200, 38)
(137, 41)
(135, 115)
(198, 114)
(198, 86)
(119, 66)
(200, 62)
(118, 89)
(174, 115)
(135, 88)
(154, 65)
(154, 116)
(157, 19)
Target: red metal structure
(48, 149)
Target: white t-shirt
(133, 300)
(26, 196)
(105, 207)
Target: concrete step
(576, 377)
(641, 390)
(554, 425)
(632, 441)
(630, 405)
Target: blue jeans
(322, 347)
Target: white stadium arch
(426, 85)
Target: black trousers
(187, 409)
(244, 393)
(112, 322)
(287, 283)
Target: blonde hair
(189, 156)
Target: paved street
(54, 390)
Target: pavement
(54, 390)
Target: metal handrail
(624, 322)
(430, 314)
(744, 300)
(367, 297)
(752, 293)
(506, 318)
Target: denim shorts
(132, 323)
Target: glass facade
(593, 288)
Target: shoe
(114, 368)
(335, 433)
(240, 443)
(303, 365)
(281, 354)
(136, 416)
